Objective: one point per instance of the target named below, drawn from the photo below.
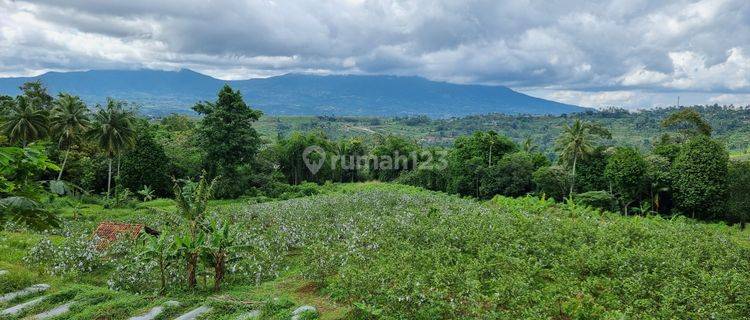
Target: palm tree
(70, 119)
(113, 131)
(25, 122)
(574, 143)
(529, 146)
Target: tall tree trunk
(65, 160)
(117, 177)
(109, 178)
(573, 180)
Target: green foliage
(597, 199)
(192, 205)
(220, 245)
(590, 171)
(161, 249)
(552, 181)
(626, 172)
(36, 94)
(393, 155)
(469, 158)
(227, 136)
(699, 176)
(511, 176)
(576, 142)
(69, 121)
(689, 122)
(146, 164)
(428, 178)
(113, 132)
(26, 122)
(659, 180)
(738, 195)
(290, 152)
(20, 191)
(408, 254)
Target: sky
(626, 53)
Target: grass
(378, 249)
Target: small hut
(108, 232)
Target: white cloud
(622, 50)
(731, 99)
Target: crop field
(376, 250)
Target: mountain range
(163, 92)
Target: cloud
(617, 50)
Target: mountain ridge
(163, 92)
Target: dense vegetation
(597, 228)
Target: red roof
(109, 231)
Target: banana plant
(162, 249)
(220, 244)
(190, 246)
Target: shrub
(597, 199)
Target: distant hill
(163, 92)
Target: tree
(738, 185)
(290, 155)
(511, 176)
(146, 164)
(699, 176)
(577, 141)
(626, 173)
(552, 181)
(113, 132)
(227, 135)
(590, 171)
(69, 120)
(471, 155)
(393, 155)
(659, 182)
(529, 145)
(350, 151)
(689, 122)
(25, 122)
(36, 93)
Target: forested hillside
(638, 129)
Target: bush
(597, 199)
